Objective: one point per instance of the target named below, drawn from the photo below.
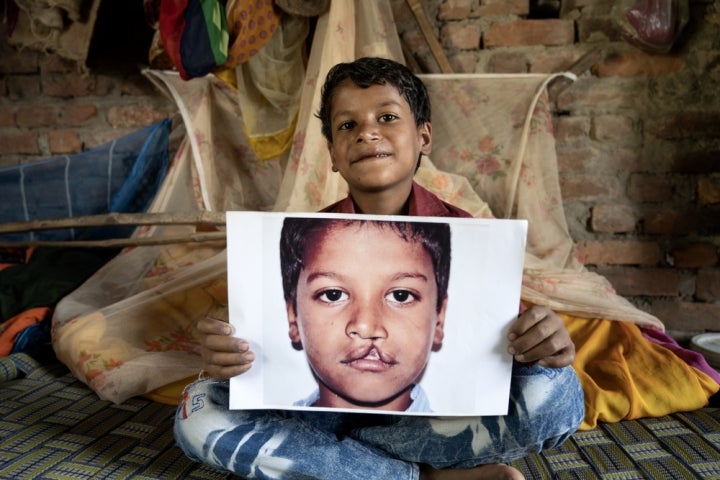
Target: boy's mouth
(369, 359)
(371, 156)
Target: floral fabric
(129, 329)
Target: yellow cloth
(626, 376)
(493, 151)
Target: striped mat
(53, 427)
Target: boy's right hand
(224, 356)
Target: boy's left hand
(539, 335)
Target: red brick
(588, 187)
(613, 219)
(464, 62)
(530, 32)
(57, 64)
(19, 142)
(709, 190)
(77, 115)
(7, 117)
(587, 93)
(23, 86)
(36, 116)
(461, 36)
(501, 7)
(653, 282)
(95, 138)
(618, 252)
(581, 158)
(707, 285)
(670, 221)
(69, 85)
(634, 62)
(14, 62)
(136, 85)
(550, 60)
(454, 9)
(613, 128)
(649, 188)
(684, 125)
(133, 115)
(571, 129)
(508, 62)
(64, 141)
(576, 160)
(695, 255)
(687, 316)
(597, 29)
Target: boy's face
(366, 316)
(375, 141)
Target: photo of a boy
(366, 300)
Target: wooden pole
(121, 242)
(203, 218)
(426, 28)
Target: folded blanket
(626, 376)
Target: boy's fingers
(223, 343)
(230, 359)
(561, 359)
(553, 349)
(225, 372)
(213, 326)
(528, 320)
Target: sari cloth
(493, 153)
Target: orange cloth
(10, 329)
(250, 26)
(626, 376)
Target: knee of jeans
(195, 414)
(552, 396)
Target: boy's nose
(367, 133)
(366, 322)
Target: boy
(376, 119)
(366, 300)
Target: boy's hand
(539, 335)
(224, 356)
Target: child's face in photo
(367, 316)
(375, 140)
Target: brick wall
(638, 135)
(638, 138)
(49, 106)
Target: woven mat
(53, 427)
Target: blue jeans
(546, 407)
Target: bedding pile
(494, 155)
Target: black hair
(299, 233)
(367, 71)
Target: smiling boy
(367, 301)
(375, 117)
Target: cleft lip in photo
(369, 358)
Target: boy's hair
(367, 71)
(299, 234)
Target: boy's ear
(332, 156)
(425, 134)
(439, 334)
(293, 329)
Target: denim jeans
(546, 407)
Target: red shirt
(421, 203)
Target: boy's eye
(331, 296)
(388, 117)
(401, 296)
(346, 125)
